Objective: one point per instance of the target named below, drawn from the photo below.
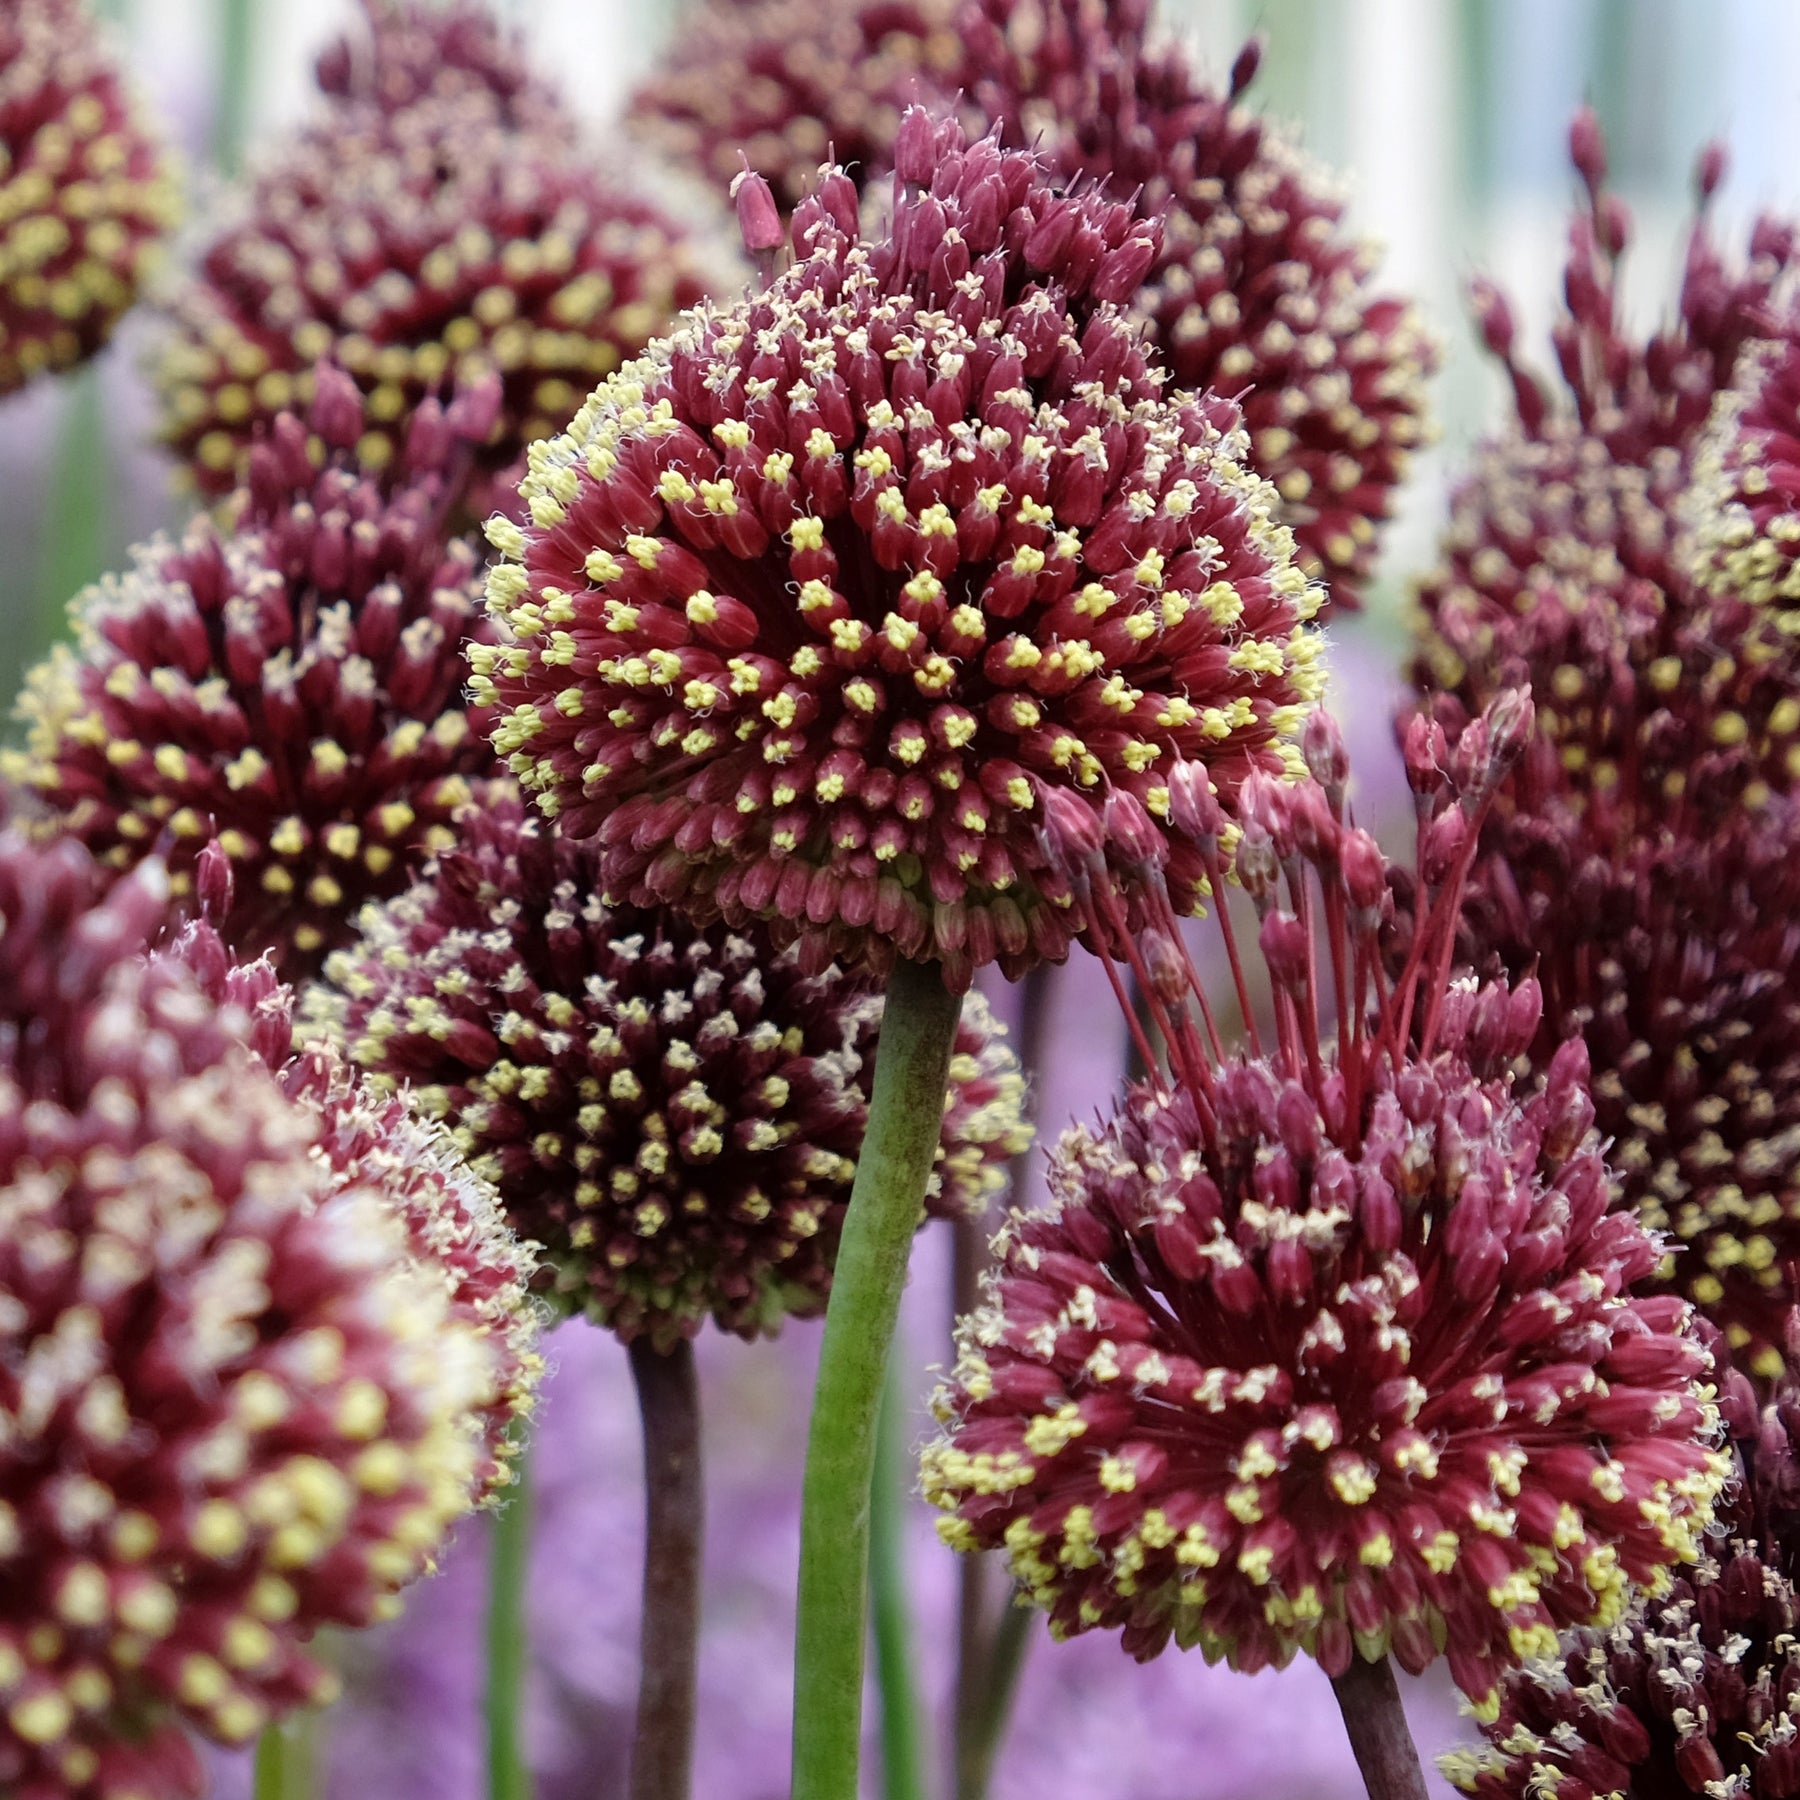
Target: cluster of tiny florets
(439, 220)
(290, 682)
(674, 1112)
(1258, 290)
(86, 193)
(1640, 858)
(238, 1408)
(1333, 1347)
(820, 600)
(791, 84)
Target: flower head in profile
(1256, 289)
(1697, 1689)
(289, 681)
(240, 1406)
(823, 599)
(1640, 859)
(1332, 1347)
(435, 222)
(86, 192)
(673, 1111)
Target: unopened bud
(1365, 869)
(1194, 807)
(336, 413)
(474, 409)
(1243, 70)
(1132, 840)
(213, 881)
(1285, 944)
(1070, 834)
(759, 220)
(1327, 761)
(1424, 751)
(1587, 146)
(915, 147)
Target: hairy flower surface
(1636, 859)
(791, 84)
(290, 681)
(675, 1112)
(436, 221)
(820, 599)
(86, 193)
(1332, 1347)
(1256, 291)
(237, 1405)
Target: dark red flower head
(675, 1113)
(825, 603)
(1637, 860)
(1333, 1347)
(86, 193)
(289, 681)
(238, 1406)
(438, 220)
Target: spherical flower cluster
(237, 1408)
(86, 193)
(791, 84)
(1636, 860)
(1561, 568)
(1325, 1347)
(290, 681)
(1258, 291)
(822, 598)
(437, 220)
(674, 1112)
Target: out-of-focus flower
(791, 84)
(86, 193)
(454, 1223)
(1697, 1690)
(237, 1408)
(438, 220)
(674, 1111)
(1333, 1347)
(290, 681)
(822, 600)
(1635, 859)
(1256, 289)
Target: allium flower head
(238, 1405)
(437, 220)
(1636, 860)
(1697, 1690)
(791, 84)
(290, 681)
(823, 599)
(1333, 1347)
(86, 193)
(674, 1112)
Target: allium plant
(822, 598)
(1636, 860)
(1696, 1691)
(1256, 289)
(439, 219)
(673, 1111)
(289, 680)
(86, 191)
(1332, 1346)
(242, 1401)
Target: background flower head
(821, 599)
(86, 191)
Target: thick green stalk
(509, 1558)
(905, 1118)
(284, 1762)
(237, 50)
(902, 1773)
(662, 1750)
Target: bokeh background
(1448, 119)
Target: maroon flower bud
(758, 221)
(85, 190)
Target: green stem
(508, 1561)
(901, 1766)
(662, 1750)
(284, 1763)
(237, 47)
(906, 1114)
(990, 1709)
